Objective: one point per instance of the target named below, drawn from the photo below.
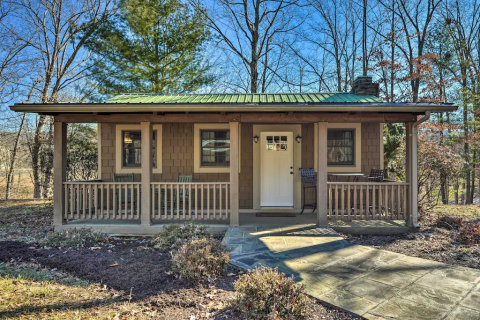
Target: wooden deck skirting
(367, 200)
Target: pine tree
(151, 46)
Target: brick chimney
(364, 86)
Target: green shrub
(200, 259)
(74, 238)
(449, 222)
(264, 293)
(175, 235)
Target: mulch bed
(430, 242)
(142, 274)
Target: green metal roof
(258, 98)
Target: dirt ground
(431, 242)
(137, 275)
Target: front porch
(125, 207)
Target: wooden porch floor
(133, 227)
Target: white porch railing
(367, 200)
(102, 200)
(190, 201)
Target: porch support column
(59, 171)
(322, 188)
(412, 173)
(234, 165)
(146, 128)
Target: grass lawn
(468, 212)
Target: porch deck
(247, 219)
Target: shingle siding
(178, 155)
(178, 152)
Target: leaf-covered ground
(432, 242)
(125, 278)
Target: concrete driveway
(372, 283)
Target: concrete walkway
(375, 284)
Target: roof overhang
(65, 108)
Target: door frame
(297, 162)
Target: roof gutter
(426, 117)
(135, 108)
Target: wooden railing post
(60, 171)
(234, 165)
(322, 188)
(146, 128)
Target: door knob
(291, 172)
(291, 167)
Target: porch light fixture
(255, 139)
(298, 138)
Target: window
(276, 143)
(215, 148)
(132, 148)
(340, 147)
(128, 148)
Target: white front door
(277, 169)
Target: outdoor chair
(376, 175)
(124, 197)
(309, 181)
(183, 179)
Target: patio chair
(309, 181)
(376, 175)
(183, 179)
(124, 178)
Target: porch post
(146, 157)
(234, 165)
(59, 171)
(412, 173)
(322, 188)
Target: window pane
(215, 147)
(132, 148)
(340, 144)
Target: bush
(264, 293)
(175, 235)
(74, 238)
(200, 259)
(449, 222)
(469, 234)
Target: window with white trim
(215, 148)
(128, 148)
(340, 147)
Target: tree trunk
(36, 149)
(12, 162)
(456, 191)
(443, 187)
(48, 166)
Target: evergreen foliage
(151, 46)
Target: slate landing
(372, 283)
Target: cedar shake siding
(178, 154)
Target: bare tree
(55, 32)
(256, 33)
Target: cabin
(228, 159)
